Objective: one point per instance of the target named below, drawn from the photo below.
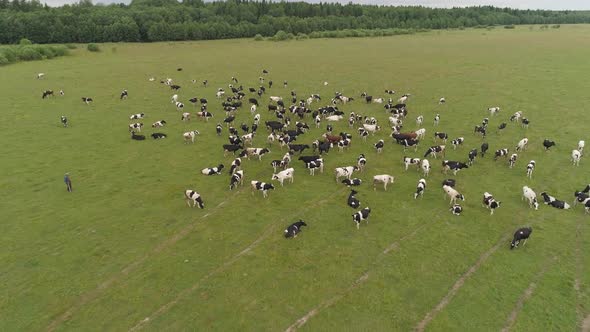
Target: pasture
(124, 252)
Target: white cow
(581, 145)
(40, 76)
(331, 118)
(284, 175)
(276, 99)
(493, 110)
(522, 144)
(190, 136)
(530, 196)
(382, 178)
(253, 109)
(420, 133)
(425, 167)
(453, 194)
(174, 99)
(576, 155)
(419, 120)
(371, 128)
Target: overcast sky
(520, 4)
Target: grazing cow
(137, 116)
(419, 120)
(436, 119)
(420, 189)
(520, 234)
(352, 182)
(490, 202)
(382, 178)
(308, 159)
(456, 209)
(261, 186)
(284, 175)
(229, 120)
(480, 129)
(516, 116)
(195, 198)
(298, 147)
(453, 194)
(425, 167)
(409, 143)
(530, 168)
(442, 136)
(254, 152)
(512, 160)
(500, 153)
(64, 121)
(213, 171)
(360, 216)
(87, 100)
(47, 93)
(345, 171)
(411, 161)
(158, 135)
(522, 144)
(235, 165)
(559, 204)
(294, 228)
(185, 116)
(124, 94)
(502, 126)
(576, 155)
(484, 149)
(472, 155)
(137, 137)
(158, 124)
(547, 199)
(493, 110)
(525, 122)
(352, 201)
(548, 144)
(334, 118)
(237, 178)
(379, 146)
(136, 126)
(530, 196)
(190, 136)
(455, 166)
(456, 142)
(581, 145)
(278, 163)
(435, 150)
(275, 98)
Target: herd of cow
(285, 133)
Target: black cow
(548, 144)
(137, 137)
(472, 155)
(484, 148)
(231, 148)
(520, 234)
(308, 159)
(47, 93)
(294, 229)
(298, 147)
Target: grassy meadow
(124, 252)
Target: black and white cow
(361, 162)
(218, 129)
(190, 136)
(436, 119)
(345, 171)
(512, 160)
(315, 164)
(484, 149)
(298, 147)
(235, 165)
(530, 196)
(352, 182)
(500, 153)
(159, 124)
(237, 178)
(360, 216)
(502, 126)
(435, 150)
(493, 110)
(520, 234)
(457, 141)
(547, 199)
(379, 146)
(420, 189)
(212, 171)
(195, 198)
(261, 186)
(158, 135)
(522, 144)
(440, 135)
(576, 156)
(277, 164)
(530, 167)
(294, 229)
(490, 202)
(64, 120)
(559, 204)
(135, 126)
(548, 144)
(352, 201)
(453, 194)
(47, 93)
(472, 155)
(124, 94)
(456, 209)
(231, 148)
(137, 116)
(525, 122)
(411, 161)
(454, 166)
(87, 100)
(407, 143)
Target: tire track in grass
(267, 231)
(457, 286)
(526, 295)
(95, 293)
(358, 282)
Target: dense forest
(158, 20)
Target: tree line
(166, 20)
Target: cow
(547, 199)
(298, 147)
(294, 228)
(454, 166)
(453, 194)
(435, 150)
(361, 162)
(500, 153)
(47, 93)
(135, 126)
(64, 120)
(175, 87)
(275, 98)
(371, 128)
(137, 116)
(576, 155)
(419, 120)
(522, 144)
(237, 178)
(436, 119)
(481, 130)
(484, 149)
(456, 142)
(420, 133)
(494, 110)
(530, 196)
(425, 167)
(516, 116)
(420, 189)
(548, 144)
(352, 201)
(404, 98)
(235, 165)
(158, 135)
(247, 139)
(254, 152)
(190, 136)
(502, 126)
(137, 137)
(382, 178)
(471, 156)
(407, 143)
(284, 175)
(204, 115)
(179, 106)
(379, 146)
(456, 209)
(87, 100)
(520, 234)
(278, 163)
(218, 129)
(352, 182)
(315, 164)
(261, 186)
(213, 170)
(411, 161)
(512, 160)
(40, 76)
(124, 95)
(442, 100)
(185, 116)
(490, 202)
(345, 171)
(441, 136)
(360, 216)
(530, 168)
(559, 204)
(195, 198)
(159, 124)
(581, 145)
(525, 123)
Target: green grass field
(124, 252)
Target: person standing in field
(68, 182)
